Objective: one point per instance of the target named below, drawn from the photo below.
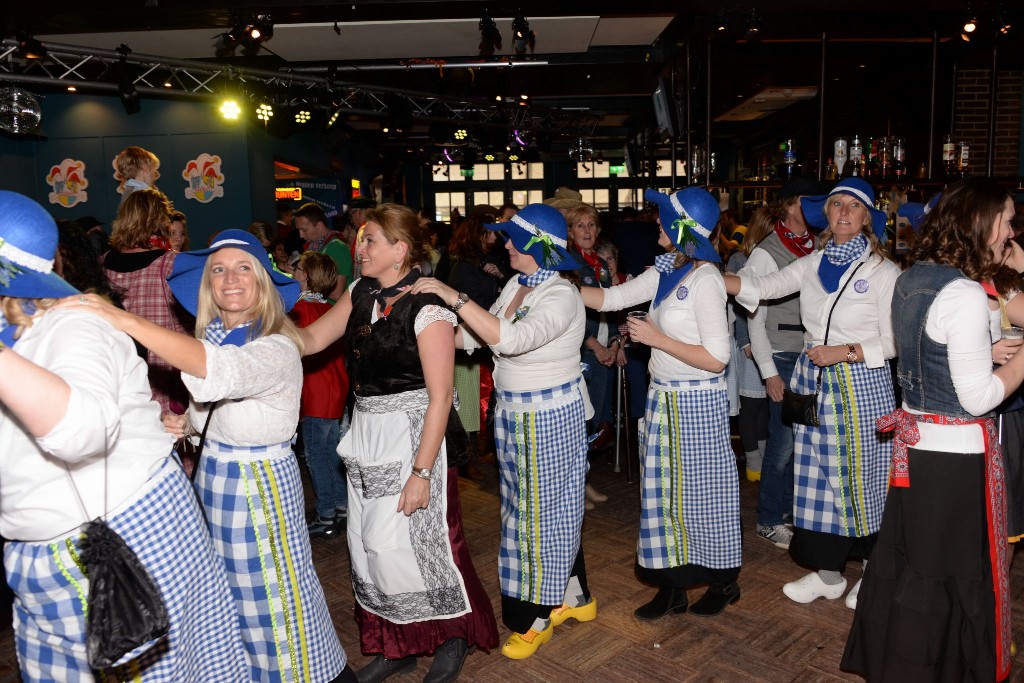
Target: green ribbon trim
(547, 246)
(7, 269)
(686, 235)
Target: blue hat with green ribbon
(540, 231)
(688, 217)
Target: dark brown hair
(957, 230)
(466, 243)
(399, 224)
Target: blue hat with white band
(539, 230)
(688, 217)
(814, 207)
(28, 245)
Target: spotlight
(490, 36)
(754, 23)
(461, 134)
(1005, 28)
(303, 116)
(521, 137)
(489, 157)
(513, 157)
(126, 83)
(971, 25)
(264, 111)
(230, 110)
(30, 48)
(72, 88)
(522, 36)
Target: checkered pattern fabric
(536, 278)
(256, 515)
(542, 462)
(146, 294)
(690, 498)
(165, 528)
(841, 467)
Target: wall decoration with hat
(204, 177)
(68, 181)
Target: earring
(396, 266)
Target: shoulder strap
(828, 323)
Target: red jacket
(324, 379)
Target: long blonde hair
(13, 309)
(268, 314)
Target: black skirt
(926, 608)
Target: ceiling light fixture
(126, 89)
(581, 150)
(490, 36)
(29, 47)
(754, 23)
(303, 116)
(971, 22)
(230, 110)
(264, 112)
(522, 36)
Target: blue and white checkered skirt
(254, 505)
(541, 439)
(690, 499)
(165, 528)
(841, 467)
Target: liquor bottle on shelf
(963, 159)
(949, 157)
(899, 158)
(884, 164)
(871, 169)
(922, 171)
(789, 158)
(856, 148)
(839, 153)
(830, 170)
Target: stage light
(513, 157)
(303, 116)
(971, 24)
(126, 89)
(522, 36)
(489, 157)
(72, 88)
(230, 110)
(461, 134)
(29, 47)
(264, 111)
(490, 36)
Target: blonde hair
(873, 244)
(13, 309)
(131, 161)
(142, 214)
(268, 315)
(761, 223)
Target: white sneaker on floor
(851, 598)
(811, 587)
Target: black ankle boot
(717, 597)
(380, 668)
(448, 660)
(667, 600)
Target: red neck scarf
(798, 245)
(594, 261)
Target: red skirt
(478, 627)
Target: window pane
(600, 199)
(441, 174)
(455, 172)
(442, 205)
(588, 196)
(536, 196)
(536, 171)
(519, 172)
(520, 198)
(496, 199)
(625, 197)
(458, 201)
(601, 170)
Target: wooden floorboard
(762, 637)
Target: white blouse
(695, 313)
(110, 410)
(258, 387)
(862, 316)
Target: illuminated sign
(286, 193)
(356, 188)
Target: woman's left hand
(92, 303)
(643, 330)
(415, 495)
(429, 285)
(823, 356)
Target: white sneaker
(811, 587)
(851, 598)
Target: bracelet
(851, 355)
(460, 301)
(422, 472)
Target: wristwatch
(422, 472)
(460, 302)
(851, 355)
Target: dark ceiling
(595, 79)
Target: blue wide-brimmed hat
(540, 231)
(916, 212)
(28, 245)
(188, 269)
(814, 207)
(688, 217)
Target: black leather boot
(380, 668)
(448, 660)
(668, 599)
(716, 598)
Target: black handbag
(802, 409)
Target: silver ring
(82, 299)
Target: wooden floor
(762, 637)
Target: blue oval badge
(682, 292)
(861, 286)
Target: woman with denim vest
(935, 603)
(840, 464)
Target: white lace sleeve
(431, 314)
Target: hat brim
(28, 284)
(814, 214)
(564, 260)
(187, 275)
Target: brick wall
(972, 114)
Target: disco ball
(19, 111)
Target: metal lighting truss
(98, 69)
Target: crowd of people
(130, 364)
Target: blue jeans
(321, 436)
(776, 491)
(598, 378)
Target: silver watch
(461, 301)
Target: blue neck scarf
(838, 259)
(670, 275)
(536, 278)
(216, 334)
